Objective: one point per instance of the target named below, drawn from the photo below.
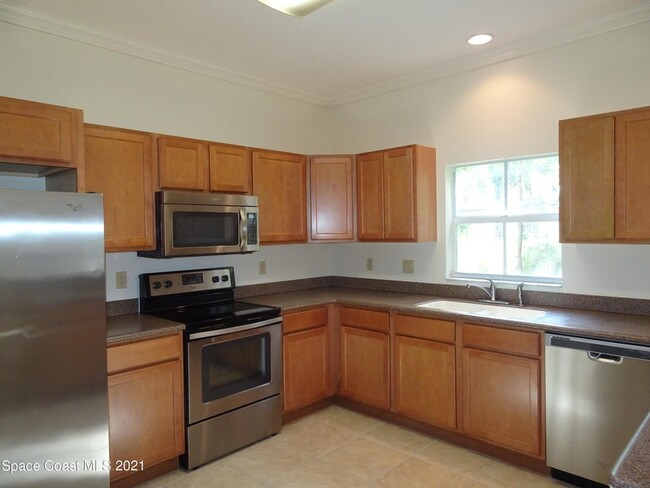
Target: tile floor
(336, 447)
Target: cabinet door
(119, 165)
(182, 164)
(399, 194)
(305, 368)
(501, 399)
(587, 179)
(279, 181)
(230, 169)
(330, 184)
(364, 366)
(146, 415)
(40, 133)
(633, 175)
(425, 381)
(370, 196)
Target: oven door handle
(238, 328)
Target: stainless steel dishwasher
(597, 395)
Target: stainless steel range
(233, 359)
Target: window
(505, 220)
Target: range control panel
(158, 284)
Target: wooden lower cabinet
(501, 399)
(145, 402)
(365, 356)
(305, 356)
(425, 380)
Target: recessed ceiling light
(479, 39)
(297, 8)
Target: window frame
(500, 219)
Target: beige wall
(508, 109)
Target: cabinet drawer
(365, 319)
(305, 319)
(425, 328)
(137, 354)
(502, 340)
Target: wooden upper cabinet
(119, 165)
(279, 181)
(331, 190)
(587, 179)
(39, 133)
(370, 196)
(605, 177)
(182, 164)
(230, 169)
(633, 175)
(396, 194)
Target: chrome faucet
(520, 297)
(491, 293)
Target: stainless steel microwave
(192, 223)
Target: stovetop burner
(201, 299)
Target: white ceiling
(350, 49)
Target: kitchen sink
(484, 310)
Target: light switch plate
(262, 267)
(369, 264)
(408, 266)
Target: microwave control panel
(251, 225)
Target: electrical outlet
(408, 266)
(369, 264)
(120, 279)
(262, 267)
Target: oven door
(233, 368)
(190, 230)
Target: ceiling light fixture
(296, 8)
(479, 39)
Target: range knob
(224, 278)
(215, 279)
(156, 285)
(168, 284)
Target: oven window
(205, 229)
(234, 366)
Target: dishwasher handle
(601, 357)
(597, 348)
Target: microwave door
(191, 230)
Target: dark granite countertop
(133, 326)
(604, 325)
(633, 467)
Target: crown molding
(49, 24)
(500, 54)
(56, 26)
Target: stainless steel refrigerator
(53, 394)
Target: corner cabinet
(396, 195)
(365, 356)
(145, 402)
(279, 181)
(305, 356)
(605, 177)
(42, 134)
(501, 393)
(119, 165)
(331, 195)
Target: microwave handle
(243, 231)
